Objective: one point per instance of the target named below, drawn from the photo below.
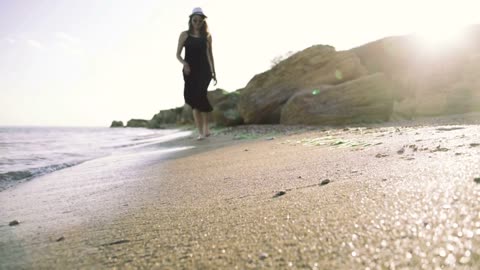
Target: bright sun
(438, 37)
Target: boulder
(403, 109)
(170, 116)
(364, 100)
(116, 124)
(452, 89)
(216, 96)
(183, 115)
(460, 97)
(262, 99)
(135, 123)
(430, 81)
(186, 116)
(225, 113)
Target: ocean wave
(15, 176)
(36, 151)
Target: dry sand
(398, 196)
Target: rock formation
(430, 81)
(116, 124)
(262, 99)
(224, 111)
(391, 78)
(137, 123)
(364, 100)
(171, 116)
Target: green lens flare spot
(338, 74)
(315, 92)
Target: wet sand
(399, 196)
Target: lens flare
(338, 74)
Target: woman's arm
(181, 42)
(210, 59)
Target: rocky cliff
(311, 86)
(391, 78)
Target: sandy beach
(392, 196)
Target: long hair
(203, 30)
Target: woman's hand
(214, 77)
(186, 68)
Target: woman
(198, 69)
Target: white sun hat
(198, 11)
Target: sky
(89, 62)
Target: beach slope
(377, 197)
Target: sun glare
(438, 37)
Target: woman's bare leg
(206, 131)
(197, 116)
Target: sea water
(29, 152)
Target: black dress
(196, 83)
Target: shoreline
(264, 202)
